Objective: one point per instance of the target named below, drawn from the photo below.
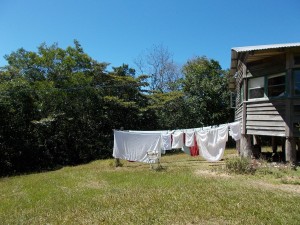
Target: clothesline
(147, 146)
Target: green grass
(180, 193)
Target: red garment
(194, 150)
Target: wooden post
(274, 144)
(290, 150)
(238, 146)
(246, 150)
(256, 140)
(244, 113)
(290, 146)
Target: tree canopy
(59, 106)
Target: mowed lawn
(188, 190)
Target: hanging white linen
(166, 138)
(212, 143)
(166, 141)
(235, 130)
(141, 147)
(177, 139)
(189, 139)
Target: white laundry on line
(212, 143)
(166, 142)
(177, 139)
(166, 136)
(189, 139)
(235, 130)
(140, 147)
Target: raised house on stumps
(266, 82)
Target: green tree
(206, 90)
(59, 106)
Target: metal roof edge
(265, 47)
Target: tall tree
(206, 90)
(158, 63)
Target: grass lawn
(188, 190)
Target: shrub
(239, 165)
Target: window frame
(294, 82)
(267, 86)
(264, 86)
(241, 93)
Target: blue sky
(117, 31)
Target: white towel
(189, 139)
(177, 141)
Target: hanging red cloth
(194, 150)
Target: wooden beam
(265, 117)
(274, 145)
(290, 146)
(290, 150)
(266, 132)
(265, 128)
(245, 146)
(244, 112)
(266, 123)
(263, 113)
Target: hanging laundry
(235, 130)
(177, 139)
(212, 143)
(194, 150)
(166, 141)
(189, 139)
(141, 147)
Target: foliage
(207, 94)
(59, 107)
(239, 165)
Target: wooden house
(266, 81)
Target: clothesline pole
(117, 160)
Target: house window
(296, 77)
(297, 59)
(241, 93)
(276, 85)
(256, 88)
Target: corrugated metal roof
(264, 47)
(237, 51)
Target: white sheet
(189, 139)
(166, 142)
(235, 130)
(141, 147)
(177, 139)
(212, 143)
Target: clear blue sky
(117, 31)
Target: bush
(239, 165)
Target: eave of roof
(236, 51)
(265, 47)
